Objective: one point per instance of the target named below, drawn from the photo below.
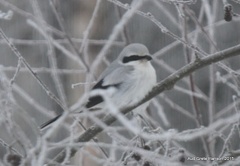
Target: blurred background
(60, 40)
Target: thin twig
(188, 58)
(116, 30)
(170, 69)
(30, 16)
(125, 34)
(56, 44)
(71, 44)
(16, 72)
(17, 53)
(51, 55)
(60, 41)
(86, 33)
(42, 70)
(149, 16)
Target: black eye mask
(136, 58)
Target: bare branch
(17, 53)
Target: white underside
(135, 88)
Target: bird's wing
(113, 76)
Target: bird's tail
(50, 121)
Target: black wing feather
(94, 100)
(98, 99)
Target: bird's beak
(148, 57)
(145, 58)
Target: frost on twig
(48, 47)
(6, 16)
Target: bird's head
(135, 55)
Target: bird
(132, 77)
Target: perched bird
(131, 75)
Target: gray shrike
(131, 75)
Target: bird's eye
(136, 58)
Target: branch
(27, 65)
(166, 84)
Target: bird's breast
(137, 86)
(145, 79)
